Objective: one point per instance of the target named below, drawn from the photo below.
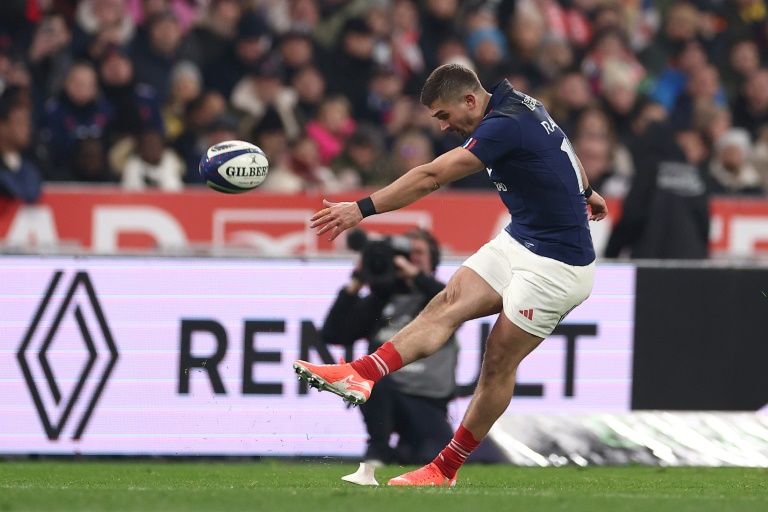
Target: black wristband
(588, 191)
(366, 206)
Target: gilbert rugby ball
(234, 167)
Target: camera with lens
(378, 256)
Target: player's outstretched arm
(410, 187)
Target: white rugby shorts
(537, 292)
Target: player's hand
(597, 207)
(338, 217)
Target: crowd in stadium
(135, 91)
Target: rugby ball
(234, 167)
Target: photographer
(412, 402)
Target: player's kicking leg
(465, 297)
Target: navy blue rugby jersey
(532, 163)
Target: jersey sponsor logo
(528, 101)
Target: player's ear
(470, 100)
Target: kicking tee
(533, 165)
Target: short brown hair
(448, 82)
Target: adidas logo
(527, 313)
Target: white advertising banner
(169, 356)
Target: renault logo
(68, 318)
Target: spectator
(681, 24)
(263, 89)
(750, 110)
(666, 212)
(99, 24)
(453, 51)
(571, 96)
(13, 68)
(361, 160)
(89, 162)
(526, 32)
(79, 112)
(309, 85)
(648, 113)
(297, 50)
(410, 149)
(414, 402)
(743, 62)
(732, 168)
(760, 155)
(712, 121)
(380, 19)
(164, 47)
(568, 22)
(613, 168)
(438, 24)
(190, 145)
(186, 85)
(334, 123)
(297, 15)
(270, 136)
(610, 50)
(136, 105)
(251, 45)
(353, 64)
(407, 56)
(143, 10)
(674, 79)
(20, 178)
(385, 89)
(487, 47)
(214, 31)
(596, 156)
(153, 165)
(50, 55)
(304, 172)
(607, 16)
(742, 18)
(621, 99)
(703, 88)
(556, 57)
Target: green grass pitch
(316, 486)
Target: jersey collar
(498, 92)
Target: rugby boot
(340, 379)
(429, 475)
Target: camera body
(378, 256)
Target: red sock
(374, 366)
(453, 456)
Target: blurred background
(122, 275)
